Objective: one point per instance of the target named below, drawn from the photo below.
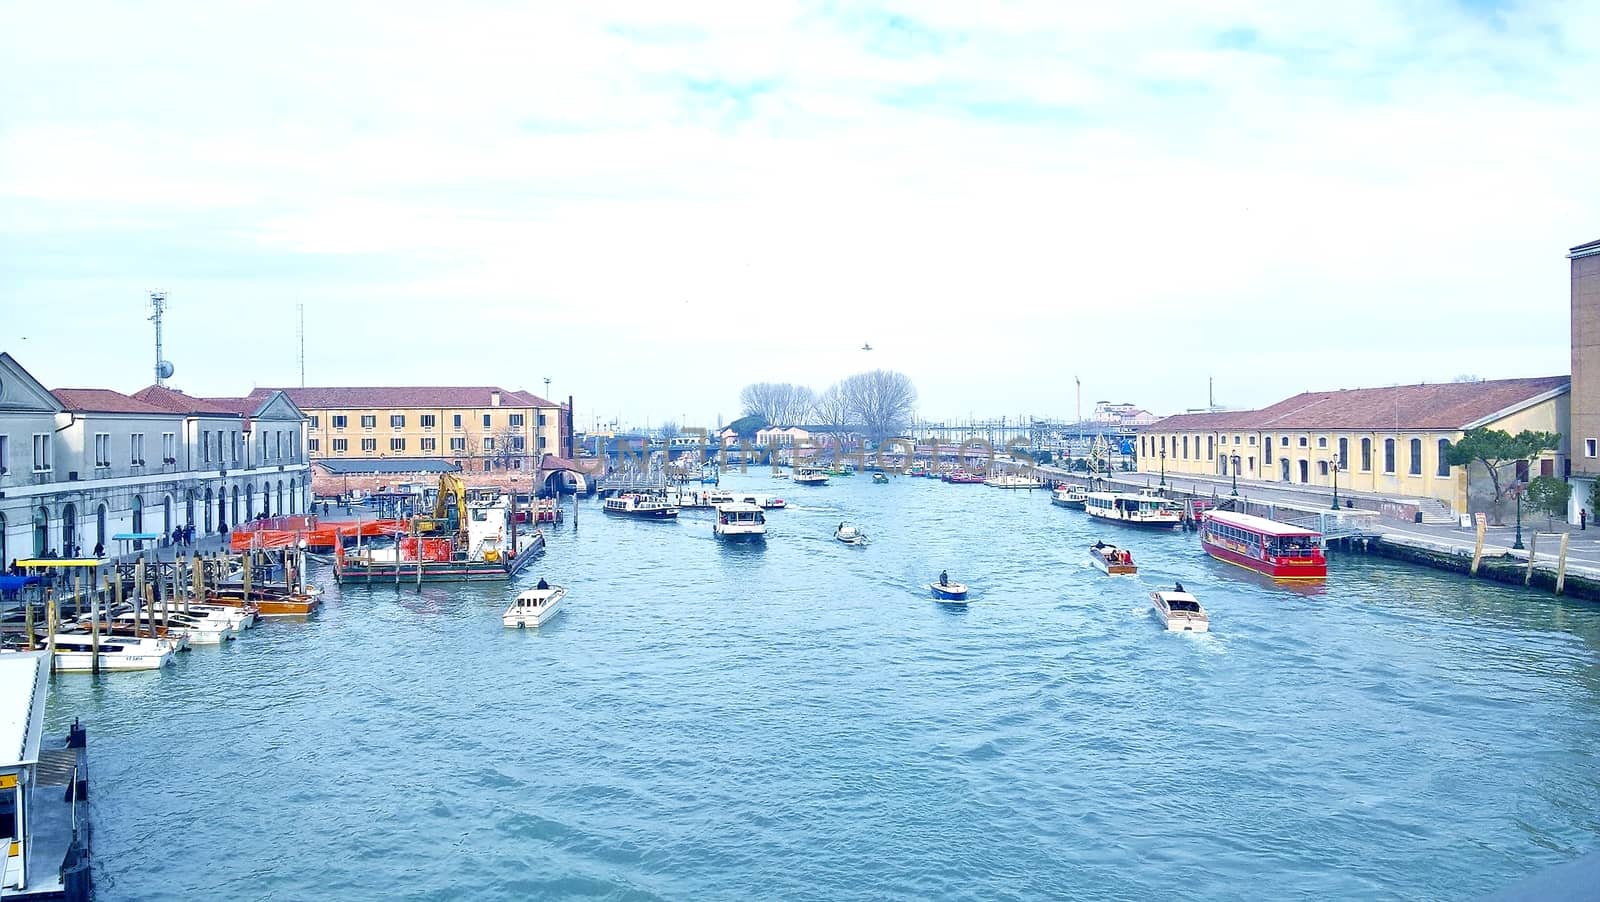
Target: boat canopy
(1260, 525)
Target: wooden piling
(1533, 552)
(50, 632)
(1561, 564)
(27, 619)
(1477, 549)
(246, 559)
(138, 594)
(94, 629)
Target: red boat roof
(1259, 524)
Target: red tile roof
(103, 400)
(1443, 406)
(177, 402)
(396, 397)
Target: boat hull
(1291, 569)
(658, 514)
(1184, 624)
(1113, 569)
(1162, 523)
(954, 593)
(81, 662)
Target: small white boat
(1180, 611)
(199, 630)
(534, 606)
(75, 652)
(850, 535)
(645, 507)
(1013, 481)
(780, 476)
(738, 519)
(809, 476)
(1069, 496)
(1111, 560)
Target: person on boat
(1099, 544)
(944, 577)
(542, 584)
(1177, 587)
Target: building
(1585, 426)
(1388, 441)
(80, 465)
(1124, 414)
(481, 429)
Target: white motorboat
(1180, 611)
(199, 630)
(533, 607)
(242, 618)
(75, 652)
(738, 519)
(1013, 481)
(1111, 560)
(809, 476)
(850, 535)
(645, 507)
(1069, 496)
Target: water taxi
(809, 476)
(962, 477)
(1069, 496)
(880, 479)
(74, 651)
(1180, 611)
(1133, 510)
(1266, 546)
(1013, 481)
(533, 607)
(738, 520)
(1111, 560)
(642, 506)
(201, 630)
(850, 535)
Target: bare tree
(779, 403)
(831, 408)
(880, 401)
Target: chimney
(494, 399)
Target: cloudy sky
(654, 203)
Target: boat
(917, 470)
(780, 475)
(964, 477)
(1266, 546)
(74, 651)
(201, 629)
(1133, 510)
(462, 539)
(738, 520)
(1112, 560)
(644, 507)
(850, 535)
(533, 607)
(47, 853)
(1069, 496)
(880, 479)
(1013, 481)
(709, 476)
(950, 592)
(1180, 611)
(809, 476)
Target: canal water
(799, 720)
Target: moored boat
(1150, 511)
(1013, 481)
(736, 520)
(75, 651)
(1111, 560)
(644, 507)
(533, 607)
(1180, 611)
(1069, 496)
(1266, 546)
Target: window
(1186, 446)
(369, 421)
(1344, 453)
(1388, 455)
(277, 444)
(205, 446)
(486, 421)
(488, 443)
(1522, 471)
(1588, 447)
(541, 443)
(1236, 440)
(341, 445)
(238, 446)
(516, 419)
(1211, 447)
(1444, 457)
(517, 443)
(1322, 468)
(5, 455)
(1250, 440)
(1322, 441)
(541, 419)
(1304, 442)
(1163, 446)
(339, 421)
(1366, 455)
(458, 444)
(169, 448)
(369, 445)
(102, 449)
(458, 422)
(1267, 449)
(430, 444)
(397, 421)
(136, 449)
(428, 420)
(314, 444)
(1416, 457)
(315, 423)
(397, 444)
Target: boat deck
(58, 815)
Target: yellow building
(481, 428)
(1384, 441)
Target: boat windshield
(1293, 546)
(1179, 604)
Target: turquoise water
(799, 720)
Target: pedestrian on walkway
(99, 549)
(1583, 518)
(188, 535)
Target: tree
(832, 408)
(1549, 495)
(779, 403)
(669, 430)
(746, 427)
(1495, 448)
(881, 401)
(1594, 497)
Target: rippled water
(799, 720)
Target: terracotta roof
(1446, 405)
(244, 407)
(103, 400)
(177, 402)
(377, 397)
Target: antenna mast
(300, 333)
(158, 306)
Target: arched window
(100, 526)
(249, 501)
(1344, 453)
(294, 498)
(1186, 447)
(1444, 457)
(279, 506)
(41, 530)
(222, 505)
(207, 509)
(1366, 455)
(235, 504)
(1416, 457)
(69, 530)
(138, 520)
(166, 514)
(1388, 455)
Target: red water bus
(1265, 546)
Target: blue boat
(949, 591)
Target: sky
(653, 204)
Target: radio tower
(300, 333)
(158, 306)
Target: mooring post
(50, 631)
(1561, 564)
(1533, 552)
(1477, 549)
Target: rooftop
(22, 690)
(175, 401)
(103, 400)
(388, 466)
(375, 397)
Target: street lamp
(1163, 468)
(1517, 545)
(1334, 466)
(1235, 472)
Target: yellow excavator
(449, 511)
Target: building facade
(481, 429)
(1585, 426)
(78, 466)
(1387, 441)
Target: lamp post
(1234, 471)
(1163, 468)
(1334, 466)
(1517, 545)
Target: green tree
(747, 427)
(1594, 498)
(1549, 495)
(1496, 449)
